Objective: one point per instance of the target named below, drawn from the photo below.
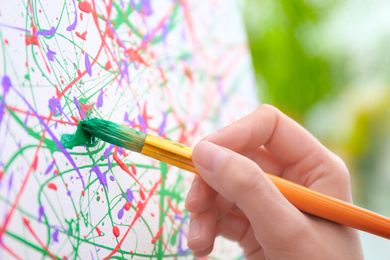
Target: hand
(235, 199)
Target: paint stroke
(72, 26)
(88, 64)
(46, 33)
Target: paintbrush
(303, 198)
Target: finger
(202, 228)
(282, 136)
(267, 161)
(237, 228)
(241, 181)
(200, 196)
(204, 252)
(201, 231)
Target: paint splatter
(88, 64)
(115, 231)
(72, 26)
(99, 102)
(153, 66)
(46, 33)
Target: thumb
(242, 181)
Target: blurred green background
(327, 65)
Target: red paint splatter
(175, 210)
(35, 163)
(31, 39)
(127, 205)
(85, 6)
(27, 224)
(116, 231)
(134, 56)
(152, 214)
(162, 75)
(81, 16)
(6, 41)
(139, 213)
(188, 73)
(110, 32)
(52, 186)
(108, 65)
(82, 193)
(75, 119)
(86, 107)
(98, 231)
(157, 235)
(82, 36)
(133, 169)
(142, 194)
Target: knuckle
(247, 182)
(295, 232)
(339, 169)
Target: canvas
(176, 69)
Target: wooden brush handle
(303, 198)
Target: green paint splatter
(79, 138)
(114, 133)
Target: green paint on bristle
(114, 133)
(79, 138)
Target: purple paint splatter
(54, 138)
(161, 128)
(88, 64)
(73, 25)
(121, 212)
(99, 102)
(50, 54)
(55, 235)
(129, 195)
(14, 27)
(109, 164)
(101, 176)
(126, 119)
(79, 107)
(47, 33)
(55, 106)
(50, 167)
(141, 121)
(125, 72)
(108, 151)
(6, 83)
(26, 119)
(41, 211)
(146, 7)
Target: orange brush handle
(303, 198)
(339, 211)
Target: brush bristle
(114, 133)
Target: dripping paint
(177, 69)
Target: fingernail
(194, 231)
(210, 156)
(193, 193)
